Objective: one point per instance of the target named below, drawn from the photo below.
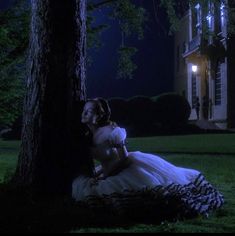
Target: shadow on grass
(24, 212)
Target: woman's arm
(121, 163)
(122, 152)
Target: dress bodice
(103, 153)
(101, 149)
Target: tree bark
(55, 92)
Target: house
(205, 63)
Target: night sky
(154, 59)
(5, 3)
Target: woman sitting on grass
(134, 181)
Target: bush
(140, 110)
(172, 110)
(140, 115)
(119, 111)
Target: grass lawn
(207, 153)
(8, 158)
(207, 143)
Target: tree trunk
(231, 81)
(55, 92)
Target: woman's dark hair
(103, 110)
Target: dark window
(194, 23)
(218, 89)
(178, 58)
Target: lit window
(210, 16)
(223, 14)
(199, 18)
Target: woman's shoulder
(118, 134)
(108, 128)
(103, 133)
(109, 133)
(112, 130)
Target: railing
(194, 43)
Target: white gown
(149, 181)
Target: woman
(132, 180)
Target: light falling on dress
(149, 183)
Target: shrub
(172, 110)
(140, 110)
(118, 111)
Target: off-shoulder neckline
(107, 126)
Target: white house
(205, 64)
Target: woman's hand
(113, 144)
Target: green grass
(8, 158)
(218, 169)
(207, 143)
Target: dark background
(154, 58)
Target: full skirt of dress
(150, 183)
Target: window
(223, 17)
(199, 18)
(210, 15)
(218, 26)
(218, 89)
(194, 90)
(194, 23)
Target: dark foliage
(144, 116)
(140, 113)
(141, 110)
(119, 109)
(172, 110)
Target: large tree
(55, 89)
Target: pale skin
(90, 117)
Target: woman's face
(89, 115)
